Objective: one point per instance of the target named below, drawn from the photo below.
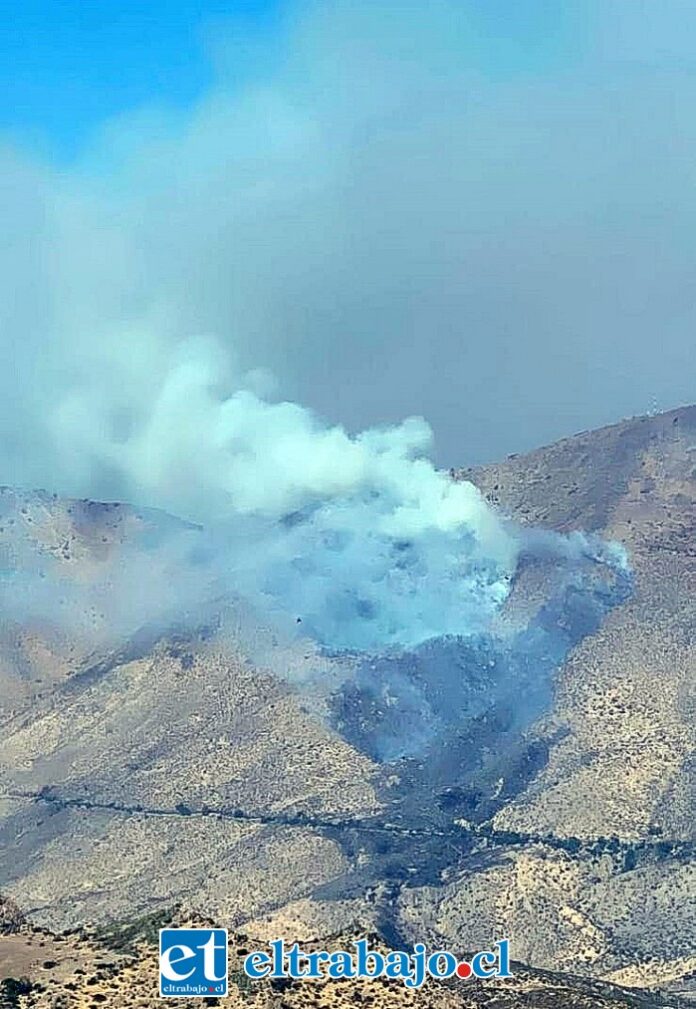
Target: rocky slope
(165, 767)
(619, 736)
(117, 968)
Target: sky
(481, 212)
(67, 65)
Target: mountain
(236, 774)
(619, 737)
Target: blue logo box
(193, 962)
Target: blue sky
(66, 66)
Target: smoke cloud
(360, 535)
(375, 224)
(439, 209)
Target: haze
(441, 209)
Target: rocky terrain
(619, 737)
(176, 766)
(117, 967)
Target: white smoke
(305, 219)
(359, 536)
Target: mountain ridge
(606, 771)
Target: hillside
(168, 768)
(620, 736)
(117, 967)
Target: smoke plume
(360, 536)
(166, 297)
